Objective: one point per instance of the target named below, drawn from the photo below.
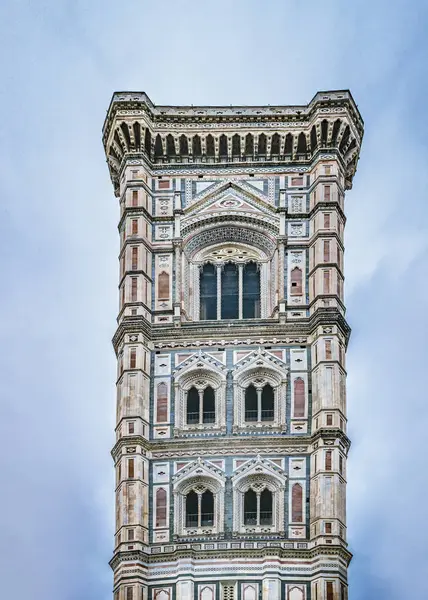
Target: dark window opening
(251, 403)
(208, 405)
(236, 145)
(262, 144)
(250, 508)
(208, 293)
(210, 147)
(196, 145)
(266, 507)
(192, 406)
(289, 144)
(223, 145)
(251, 291)
(276, 142)
(184, 145)
(229, 292)
(192, 509)
(249, 144)
(207, 509)
(267, 403)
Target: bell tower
(231, 440)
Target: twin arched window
(258, 507)
(200, 509)
(235, 294)
(259, 403)
(200, 406)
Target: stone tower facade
(231, 441)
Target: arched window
(170, 145)
(297, 503)
(184, 145)
(289, 143)
(251, 291)
(267, 403)
(229, 292)
(314, 141)
(148, 142)
(162, 403)
(296, 281)
(158, 146)
(301, 144)
(196, 145)
(335, 132)
(236, 145)
(137, 135)
(192, 406)
(250, 508)
(258, 511)
(161, 507)
(192, 509)
(324, 132)
(275, 146)
(251, 403)
(299, 398)
(262, 144)
(210, 146)
(200, 513)
(208, 405)
(345, 138)
(249, 144)
(208, 292)
(223, 145)
(266, 502)
(163, 286)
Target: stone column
(240, 289)
(219, 267)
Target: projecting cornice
(180, 135)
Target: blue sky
(60, 62)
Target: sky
(60, 62)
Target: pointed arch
(335, 132)
(289, 143)
(184, 145)
(314, 141)
(236, 145)
(170, 145)
(223, 145)
(301, 144)
(137, 135)
(249, 144)
(158, 146)
(196, 146)
(262, 144)
(345, 139)
(275, 145)
(148, 141)
(324, 132)
(210, 146)
(125, 131)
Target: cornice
(215, 333)
(254, 553)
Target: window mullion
(259, 405)
(240, 289)
(219, 292)
(199, 510)
(258, 509)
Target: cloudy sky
(60, 61)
